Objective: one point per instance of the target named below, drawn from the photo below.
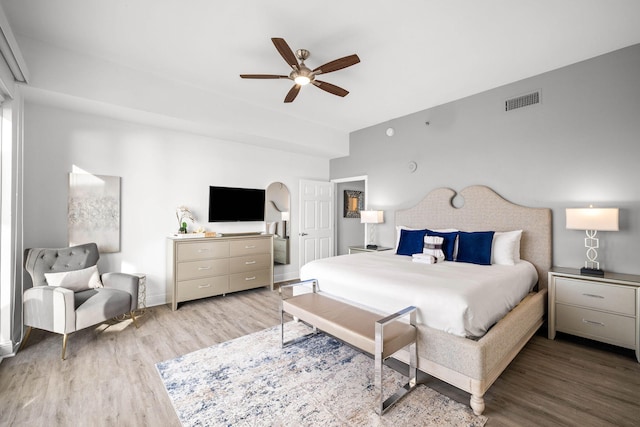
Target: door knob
(303, 234)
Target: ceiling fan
(301, 74)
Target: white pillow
(76, 280)
(506, 247)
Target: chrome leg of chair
(133, 317)
(64, 344)
(25, 338)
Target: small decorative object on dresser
(183, 213)
(605, 309)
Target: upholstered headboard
(484, 210)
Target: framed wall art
(94, 211)
(353, 203)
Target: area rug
(319, 381)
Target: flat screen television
(229, 204)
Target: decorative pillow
(506, 247)
(76, 280)
(433, 247)
(475, 248)
(449, 243)
(411, 242)
(399, 229)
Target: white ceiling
(415, 53)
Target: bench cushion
(349, 323)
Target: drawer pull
(205, 286)
(593, 296)
(249, 262)
(204, 268)
(250, 246)
(591, 322)
(203, 250)
(250, 278)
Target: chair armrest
(50, 308)
(124, 282)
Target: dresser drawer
(202, 250)
(201, 288)
(196, 269)
(597, 325)
(249, 263)
(248, 280)
(249, 246)
(608, 297)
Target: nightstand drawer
(605, 327)
(608, 297)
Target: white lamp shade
(599, 219)
(285, 216)
(371, 217)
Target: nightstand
(605, 309)
(358, 249)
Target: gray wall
(579, 146)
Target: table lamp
(286, 216)
(372, 218)
(592, 220)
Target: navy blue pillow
(449, 243)
(411, 242)
(475, 248)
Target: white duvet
(459, 298)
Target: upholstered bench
(361, 328)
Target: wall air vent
(522, 101)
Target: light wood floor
(109, 377)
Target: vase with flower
(183, 213)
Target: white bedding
(459, 298)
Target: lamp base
(372, 247)
(591, 272)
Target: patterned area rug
(319, 381)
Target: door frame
(335, 181)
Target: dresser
(204, 267)
(605, 309)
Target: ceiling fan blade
(285, 52)
(292, 93)
(262, 76)
(338, 64)
(328, 87)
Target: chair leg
(25, 338)
(133, 317)
(64, 344)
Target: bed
(470, 357)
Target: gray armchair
(63, 311)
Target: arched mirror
(277, 217)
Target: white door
(316, 220)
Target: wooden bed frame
(467, 364)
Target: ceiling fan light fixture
(302, 80)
